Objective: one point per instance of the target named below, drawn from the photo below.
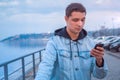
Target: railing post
(23, 68)
(33, 65)
(6, 72)
(40, 55)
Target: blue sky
(37, 16)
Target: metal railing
(35, 61)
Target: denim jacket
(65, 59)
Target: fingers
(100, 49)
(98, 53)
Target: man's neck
(73, 36)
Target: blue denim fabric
(57, 65)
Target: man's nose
(80, 23)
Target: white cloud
(2, 14)
(103, 2)
(97, 19)
(3, 3)
(32, 21)
(9, 3)
(49, 4)
(15, 3)
(109, 4)
(36, 17)
(99, 1)
(29, 2)
(117, 20)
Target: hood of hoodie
(63, 32)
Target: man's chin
(77, 32)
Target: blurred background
(26, 26)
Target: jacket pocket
(86, 61)
(64, 60)
(64, 54)
(84, 54)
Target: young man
(68, 52)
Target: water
(8, 53)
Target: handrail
(22, 59)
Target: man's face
(75, 22)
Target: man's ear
(66, 18)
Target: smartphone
(97, 45)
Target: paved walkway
(113, 61)
(115, 54)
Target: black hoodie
(63, 32)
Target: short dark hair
(78, 7)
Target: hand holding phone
(98, 45)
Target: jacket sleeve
(47, 64)
(100, 72)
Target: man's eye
(75, 20)
(83, 20)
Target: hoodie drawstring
(70, 51)
(77, 49)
